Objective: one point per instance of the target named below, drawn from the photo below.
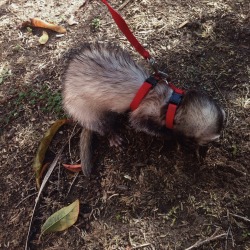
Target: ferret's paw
(115, 141)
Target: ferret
(101, 81)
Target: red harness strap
(142, 92)
(126, 31)
(173, 104)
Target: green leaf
(62, 219)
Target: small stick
(72, 184)
(141, 246)
(237, 170)
(46, 177)
(27, 197)
(209, 239)
(229, 232)
(240, 217)
(124, 4)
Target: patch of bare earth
(148, 195)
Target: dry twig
(46, 178)
(27, 197)
(229, 233)
(240, 217)
(124, 4)
(142, 246)
(209, 239)
(72, 183)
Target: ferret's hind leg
(105, 125)
(110, 128)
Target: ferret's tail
(86, 151)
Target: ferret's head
(198, 120)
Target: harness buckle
(153, 65)
(176, 98)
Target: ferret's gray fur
(102, 80)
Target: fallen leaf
(36, 22)
(44, 144)
(44, 38)
(62, 219)
(73, 168)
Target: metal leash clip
(153, 65)
(152, 62)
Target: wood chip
(183, 24)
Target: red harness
(173, 102)
(177, 94)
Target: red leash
(126, 31)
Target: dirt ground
(147, 195)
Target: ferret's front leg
(150, 126)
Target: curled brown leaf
(36, 22)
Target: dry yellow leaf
(44, 38)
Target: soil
(148, 195)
